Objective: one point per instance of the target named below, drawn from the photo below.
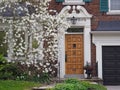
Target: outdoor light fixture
(73, 20)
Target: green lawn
(17, 85)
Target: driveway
(113, 87)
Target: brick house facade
(101, 11)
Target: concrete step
(79, 76)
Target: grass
(17, 85)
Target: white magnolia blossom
(35, 36)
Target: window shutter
(59, 0)
(103, 5)
(87, 0)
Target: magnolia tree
(32, 33)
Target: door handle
(65, 57)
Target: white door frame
(83, 20)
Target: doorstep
(78, 76)
(94, 79)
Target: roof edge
(105, 32)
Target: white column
(61, 56)
(87, 42)
(99, 59)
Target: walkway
(113, 87)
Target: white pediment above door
(78, 13)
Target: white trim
(87, 44)
(73, 2)
(74, 33)
(104, 40)
(113, 13)
(86, 25)
(105, 32)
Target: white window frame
(73, 2)
(112, 12)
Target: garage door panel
(109, 81)
(118, 72)
(110, 78)
(118, 80)
(118, 58)
(109, 72)
(111, 65)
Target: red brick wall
(92, 8)
(55, 6)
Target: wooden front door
(74, 55)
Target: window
(75, 30)
(114, 6)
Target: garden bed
(72, 84)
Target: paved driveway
(113, 87)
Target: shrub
(64, 86)
(18, 71)
(3, 73)
(3, 61)
(70, 84)
(3, 46)
(93, 86)
(8, 70)
(75, 84)
(72, 81)
(42, 78)
(86, 83)
(97, 87)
